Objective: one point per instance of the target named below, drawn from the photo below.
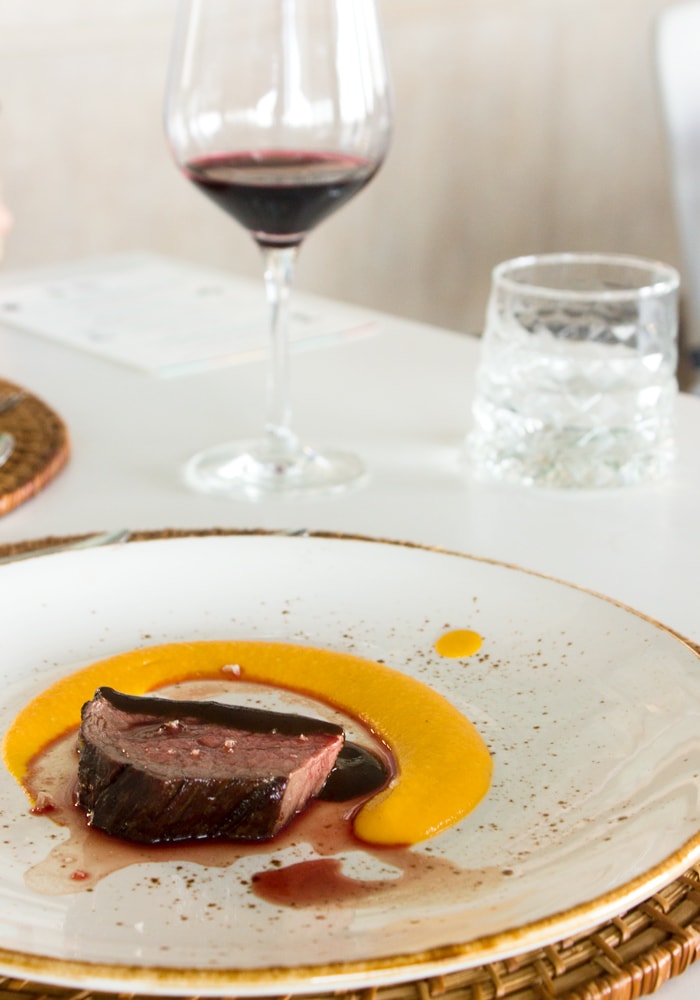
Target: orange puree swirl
(443, 766)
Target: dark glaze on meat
(253, 720)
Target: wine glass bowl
(279, 111)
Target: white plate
(591, 712)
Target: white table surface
(400, 397)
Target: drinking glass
(280, 112)
(576, 385)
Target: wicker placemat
(628, 957)
(41, 445)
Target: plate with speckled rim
(591, 713)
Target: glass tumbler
(576, 385)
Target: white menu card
(163, 316)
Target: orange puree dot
(443, 765)
(460, 642)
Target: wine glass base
(248, 471)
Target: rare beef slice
(156, 770)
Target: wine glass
(280, 112)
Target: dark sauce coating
(357, 771)
(252, 720)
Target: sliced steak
(156, 770)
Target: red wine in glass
(279, 195)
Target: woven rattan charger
(41, 445)
(630, 956)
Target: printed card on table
(162, 316)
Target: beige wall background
(521, 126)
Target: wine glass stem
(279, 269)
